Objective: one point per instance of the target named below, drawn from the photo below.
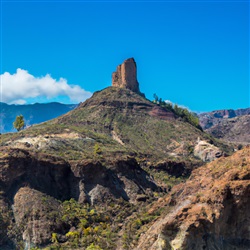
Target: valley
(121, 172)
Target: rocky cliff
(210, 119)
(229, 125)
(41, 195)
(209, 211)
(126, 76)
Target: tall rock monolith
(126, 76)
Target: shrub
(54, 238)
(93, 247)
(97, 149)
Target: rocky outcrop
(48, 174)
(34, 187)
(210, 119)
(206, 151)
(37, 216)
(121, 179)
(232, 130)
(209, 211)
(126, 76)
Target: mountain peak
(126, 76)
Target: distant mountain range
(229, 125)
(210, 119)
(33, 113)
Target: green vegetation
(97, 149)
(110, 117)
(99, 227)
(186, 115)
(92, 227)
(19, 123)
(139, 223)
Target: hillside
(228, 125)
(232, 130)
(118, 122)
(209, 211)
(86, 179)
(33, 113)
(210, 119)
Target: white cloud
(185, 107)
(22, 85)
(181, 106)
(167, 101)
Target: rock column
(126, 76)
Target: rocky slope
(209, 119)
(35, 187)
(118, 122)
(209, 211)
(232, 130)
(228, 125)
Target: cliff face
(228, 125)
(210, 119)
(232, 130)
(209, 211)
(126, 76)
(34, 187)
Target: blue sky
(194, 53)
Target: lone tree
(19, 123)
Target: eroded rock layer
(209, 211)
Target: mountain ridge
(209, 119)
(120, 121)
(228, 125)
(33, 113)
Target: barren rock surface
(228, 125)
(206, 151)
(209, 211)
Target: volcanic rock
(209, 211)
(210, 119)
(232, 130)
(206, 151)
(126, 76)
(121, 179)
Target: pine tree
(19, 123)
